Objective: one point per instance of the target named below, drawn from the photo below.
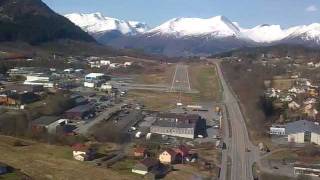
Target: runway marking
(174, 78)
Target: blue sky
(154, 12)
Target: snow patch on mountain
(307, 32)
(97, 23)
(218, 26)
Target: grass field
(42, 161)
(161, 74)
(160, 101)
(203, 78)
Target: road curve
(241, 160)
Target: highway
(241, 159)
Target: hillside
(34, 22)
(274, 51)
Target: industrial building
(80, 112)
(301, 131)
(43, 80)
(93, 80)
(180, 125)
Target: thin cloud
(311, 8)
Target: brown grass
(204, 79)
(42, 161)
(160, 74)
(160, 101)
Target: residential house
(296, 90)
(310, 101)
(83, 152)
(140, 152)
(313, 92)
(286, 98)
(310, 111)
(145, 166)
(170, 156)
(294, 106)
(183, 150)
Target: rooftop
(177, 120)
(81, 108)
(45, 120)
(149, 162)
(302, 126)
(95, 74)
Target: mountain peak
(218, 26)
(41, 25)
(98, 23)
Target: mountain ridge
(34, 22)
(206, 36)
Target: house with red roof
(83, 152)
(170, 156)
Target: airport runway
(180, 81)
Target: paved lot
(84, 127)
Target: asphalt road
(180, 81)
(241, 160)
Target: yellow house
(170, 156)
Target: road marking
(188, 78)
(174, 78)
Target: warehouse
(81, 112)
(93, 80)
(180, 125)
(303, 131)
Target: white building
(127, 64)
(303, 131)
(42, 80)
(308, 170)
(105, 62)
(93, 80)
(278, 130)
(69, 70)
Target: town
(131, 90)
(92, 110)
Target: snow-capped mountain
(191, 36)
(96, 23)
(218, 27)
(308, 35)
